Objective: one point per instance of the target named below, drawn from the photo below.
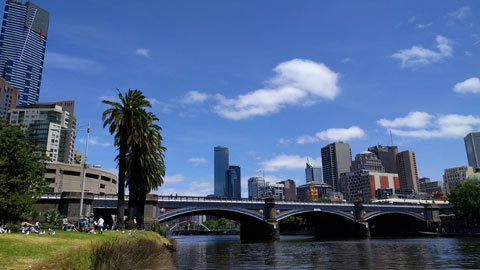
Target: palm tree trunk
(121, 184)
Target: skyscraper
(220, 170)
(8, 98)
(233, 182)
(472, 146)
(336, 159)
(388, 156)
(312, 173)
(22, 48)
(367, 161)
(407, 170)
(256, 187)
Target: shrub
(159, 228)
(53, 217)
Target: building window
(91, 175)
(102, 185)
(104, 178)
(50, 171)
(74, 173)
(49, 180)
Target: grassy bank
(75, 250)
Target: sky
(274, 81)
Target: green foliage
(159, 228)
(21, 172)
(294, 223)
(466, 199)
(222, 223)
(211, 224)
(53, 217)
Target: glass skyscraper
(233, 179)
(23, 39)
(312, 173)
(472, 146)
(220, 171)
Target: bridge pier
(266, 230)
(432, 217)
(361, 226)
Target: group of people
(88, 224)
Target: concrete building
(388, 156)
(363, 184)
(221, 164)
(454, 176)
(23, 40)
(407, 170)
(323, 190)
(472, 147)
(8, 98)
(429, 187)
(368, 161)
(313, 174)
(233, 182)
(290, 189)
(51, 126)
(256, 187)
(68, 178)
(336, 159)
(275, 190)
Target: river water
(299, 252)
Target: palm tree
(127, 119)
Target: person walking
(100, 224)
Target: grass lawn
(18, 251)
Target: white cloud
(94, 141)
(174, 178)
(143, 52)
(197, 161)
(194, 188)
(334, 134)
(411, 19)
(288, 162)
(418, 56)
(193, 97)
(460, 14)
(63, 61)
(109, 98)
(423, 26)
(412, 120)
(347, 59)
(298, 82)
(164, 107)
(471, 85)
(430, 126)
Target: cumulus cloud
(193, 97)
(418, 56)
(194, 188)
(430, 126)
(96, 141)
(423, 26)
(334, 134)
(174, 178)
(197, 161)
(298, 82)
(460, 14)
(143, 52)
(288, 162)
(471, 85)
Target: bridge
(260, 219)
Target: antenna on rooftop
(391, 138)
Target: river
(302, 252)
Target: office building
(454, 176)
(63, 177)
(289, 189)
(323, 190)
(23, 40)
(221, 164)
(312, 174)
(472, 146)
(407, 170)
(256, 186)
(388, 156)
(8, 98)
(50, 126)
(233, 182)
(363, 184)
(336, 159)
(430, 187)
(368, 161)
(275, 190)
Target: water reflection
(223, 252)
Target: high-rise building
(312, 173)
(323, 190)
(233, 182)
(388, 156)
(22, 48)
(50, 126)
(290, 189)
(363, 184)
(336, 159)
(454, 176)
(472, 146)
(8, 98)
(275, 190)
(407, 170)
(368, 161)
(256, 187)
(430, 187)
(221, 164)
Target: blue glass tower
(220, 171)
(23, 39)
(234, 182)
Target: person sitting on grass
(64, 222)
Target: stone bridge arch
(306, 212)
(240, 215)
(395, 223)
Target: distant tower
(407, 170)
(336, 159)
(388, 156)
(220, 171)
(472, 146)
(23, 40)
(313, 173)
(233, 181)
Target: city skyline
(276, 87)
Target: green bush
(54, 218)
(159, 228)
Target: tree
(126, 120)
(466, 200)
(21, 173)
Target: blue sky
(272, 80)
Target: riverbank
(75, 250)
